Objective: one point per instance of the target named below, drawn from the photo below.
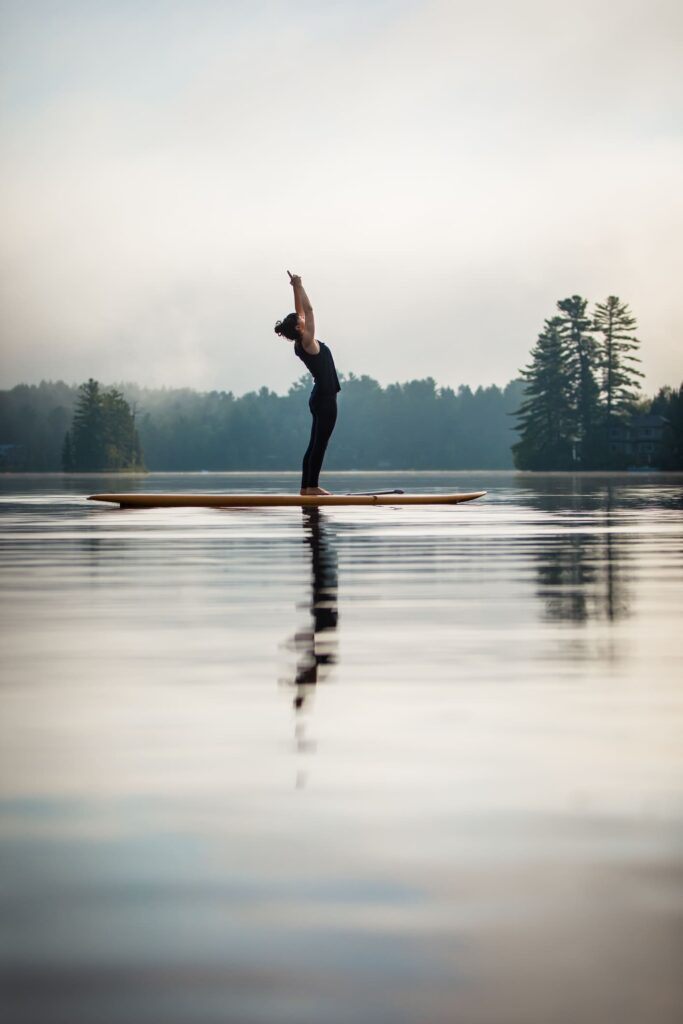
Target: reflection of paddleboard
(266, 500)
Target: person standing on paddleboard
(299, 327)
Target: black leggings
(324, 412)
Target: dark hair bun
(289, 327)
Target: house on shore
(638, 441)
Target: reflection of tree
(316, 645)
(616, 598)
(566, 577)
(579, 574)
(616, 606)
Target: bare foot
(314, 490)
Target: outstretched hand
(294, 279)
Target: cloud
(440, 173)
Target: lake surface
(365, 765)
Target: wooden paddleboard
(270, 500)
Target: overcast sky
(440, 173)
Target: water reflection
(497, 780)
(316, 644)
(590, 493)
(581, 574)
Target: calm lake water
(366, 765)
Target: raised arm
(304, 311)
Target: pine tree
(121, 442)
(87, 431)
(546, 414)
(103, 434)
(618, 344)
(575, 327)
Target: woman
(299, 327)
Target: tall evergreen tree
(576, 326)
(618, 344)
(121, 443)
(87, 431)
(103, 434)
(546, 414)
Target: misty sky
(440, 173)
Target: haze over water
(361, 764)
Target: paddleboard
(271, 500)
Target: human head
(289, 327)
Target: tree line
(414, 425)
(580, 391)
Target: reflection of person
(317, 645)
(299, 327)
